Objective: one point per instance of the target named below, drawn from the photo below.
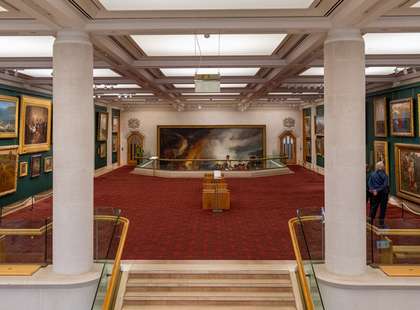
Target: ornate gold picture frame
(380, 122)
(9, 158)
(402, 123)
(35, 125)
(48, 164)
(23, 169)
(407, 171)
(380, 153)
(9, 115)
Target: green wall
(391, 94)
(26, 186)
(99, 162)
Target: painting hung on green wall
(402, 123)
(380, 116)
(8, 169)
(9, 111)
(102, 150)
(35, 166)
(381, 153)
(407, 171)
(307, 126)
(35, 125)
(102, 126)
(319, 145)
(319, 125)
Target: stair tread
(219, 297)
(209, 282)
(205, 307)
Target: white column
(73, 137)
(345, 229)
(109, 139)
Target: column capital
(344, 34)
(72, 36)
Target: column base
(46, 290)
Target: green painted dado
(320, 160)
(99, 162)
(26, 186)
(391, 94)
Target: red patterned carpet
(167, 222)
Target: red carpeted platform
(167, 222)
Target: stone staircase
(204, 285)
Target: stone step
(210, 282)
(217, 295)
(183, 287)
(201, 275)
(205, 307)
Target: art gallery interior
(166, 155)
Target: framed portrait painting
(48, 164)
(35, 125)
(102, 150)
(407, 171)
(380, 153)
(115, 124)
(402, 123)
(8, 169)
(35, 166)
(114, 142)
(307, 126)
(23, 169)
(319, 125)
(102, 134)
(380, 116)
(319, 145)
(9, 111)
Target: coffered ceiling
(268, 52)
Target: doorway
(288, 146)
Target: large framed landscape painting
(380, 116)
(402, 123)
(380, 149)
(9, 111)
(35, 125)
(8, 169)
(241, 142)
(407, 171)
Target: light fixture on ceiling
(206, 83)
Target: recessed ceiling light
(230, 44)
(48, 72)
(319, 71)
(209, 94)
(221, 85)
(131, 5)
(392, 43)
(26, 46)
(223, 71)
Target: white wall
(150, 119)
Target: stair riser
(130, 289)
(206, 276)
(208, 303)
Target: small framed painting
(9, 111)
(48, 164)
(35, 166)
(307, 126)
(380, 116)
(319, 125)
(8, 169)
(319, 144)
(402, 123)
(102, 150)
(102, 126)
(23, 169)
(114, 143)
(115, 124)
(380, 153)
(407, 171)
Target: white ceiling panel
(190, 45)
(223, 71)
(392, 43)
(130, 5)
(48, 72)
(221, 85)
(315, 71)
(416, 5)
(26, 46)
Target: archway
(134, 141)
(288, 146)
